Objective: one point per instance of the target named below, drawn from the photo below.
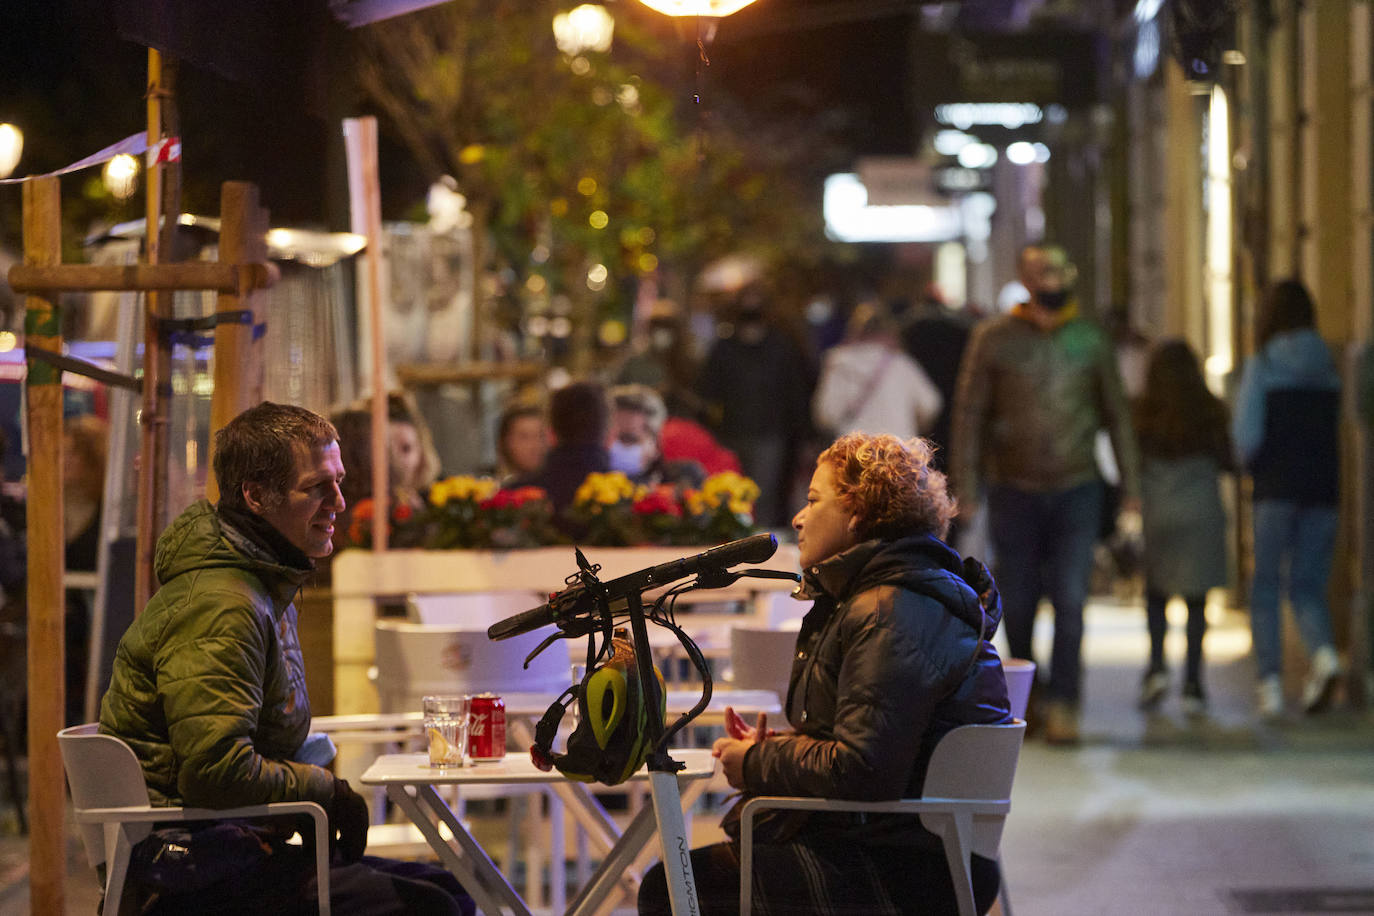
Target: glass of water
(446, 720)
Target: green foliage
(540, 142)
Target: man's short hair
(259, 446)
(643, 399)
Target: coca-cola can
(487, 728)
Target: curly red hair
(890, 485)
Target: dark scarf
(260, 532)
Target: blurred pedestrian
(85, 447)
(1185, 445)
(936, 336)
(1287, 439)
(868, 384)
(756, 386)
(412, 462)
(522, 439)
(1035, 387)
(637, 418)
(579, 414)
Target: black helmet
(611, 740)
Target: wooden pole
(223, 277)
(46, 650)
(157, 367)
(365, 201)
(238, 369)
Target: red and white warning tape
(165, 150)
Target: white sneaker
(1271, 697)
(1321, 682)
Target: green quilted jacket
(208, 685)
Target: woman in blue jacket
(1286, 434)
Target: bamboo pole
(365, 204)
(46, 601)
(157, 366)
(238, 370)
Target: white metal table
(412, 784)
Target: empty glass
(446, 729)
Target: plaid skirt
(813, 879)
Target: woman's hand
(736, 727)
(730, 750)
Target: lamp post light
(11, 148)
(712, 8)
(121, 176)
(588, 27)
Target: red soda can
(487, 728)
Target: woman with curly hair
(895, 652)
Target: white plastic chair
(111, 806)
(761, 659)
(1020, 675)
(469, 609)
(415, 659)
(967, 795)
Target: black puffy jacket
(895, 652)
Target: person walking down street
(756, 385)
(896, 651)
(1185, 445)
(208, 689)
(1035, 387)
(1286, 433)
(936, 336)
(867, 384)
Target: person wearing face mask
(1034, 388)
(637, 417)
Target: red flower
(402, 513)
(659, 501)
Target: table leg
(612, 869)
(473, 868)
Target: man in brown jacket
(1035, 387)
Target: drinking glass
(446, 729)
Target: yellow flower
(605, 489)
(464, 487)
(729, 488)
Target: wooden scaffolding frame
(239, 275)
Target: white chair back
(779, 610)
(1020, 675)
(469, 609)
(975, 761)
(103, 772)
(762, 659)
(415, 659)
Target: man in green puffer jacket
(208, 685)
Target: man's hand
(348, 819)
(731, 750)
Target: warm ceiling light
(713, 8)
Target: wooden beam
(157, 367)
(235, 279)
(238, 367)
(46, 600)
